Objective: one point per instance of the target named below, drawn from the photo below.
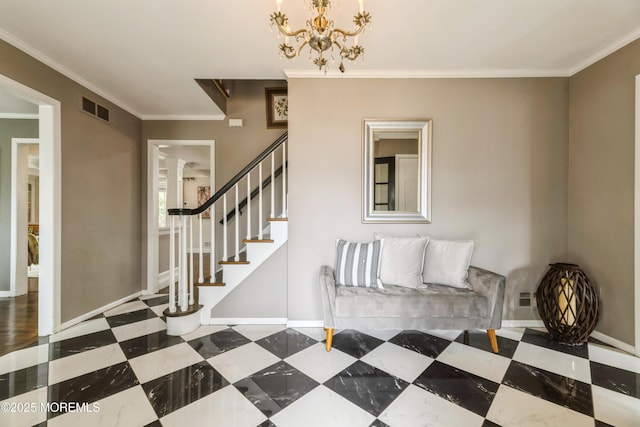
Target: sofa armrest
(492, 286)
(328, 295)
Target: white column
(175, 168)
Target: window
(162, 203)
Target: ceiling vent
(91, 107)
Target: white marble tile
(447, 335)
(417, 407)
(85, 362)
(557, 362)
(128, 408)
(319, 364)
(226, 407)
(138, 329)
(159, 309)
(161, 362)
(243, 361)
(511, 333)
(127, 307)
(614, 357)
(488, 365)
(203, 331)
(398, 361)
(322, 407)
(28, 409)
(382, 334)
(615, 408)
(317, 334)
(512, 407)
(84, 328)
(24, 358)
(256, 332)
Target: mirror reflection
(396, 185)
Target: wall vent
(525, 299)
(99, 111)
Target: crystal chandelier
(321, 35)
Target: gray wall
(601, 184)
(9, 128)
(101, 190)
(499, 173)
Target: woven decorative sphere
(567, 303)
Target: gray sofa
(428, 308)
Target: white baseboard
(248, 321)
(614, 342)
(5, 294)
(100, 310)
(305, 324)
(163, 278)
(522, 324)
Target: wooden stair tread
(232, 260)
(266, 238)
(213, 281)
(277, 219)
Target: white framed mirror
(396, 171)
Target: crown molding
(183, 117)
(19, 116)
(618, 44)
(424, 74)
(35, 53)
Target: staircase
(248, 224)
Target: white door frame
(49, 124)
(153, 148)
(19, 181)
(637, 222)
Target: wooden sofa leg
(493, 340)
(329, 340)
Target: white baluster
(237, 224)
(224, 227)
(260, 201)
(249, 206)
(172, 264)
(212, 247)
(200, 254)
(284, 179)
(191, 272)
(183, 270)
(273, 185)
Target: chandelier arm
(346, 34)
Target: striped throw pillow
(358, 264)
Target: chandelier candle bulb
(361, 2)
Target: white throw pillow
(401, 260)
(447, 262)
(358, 264)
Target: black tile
(378, 423)
(542, 339)
(355, 343)
(152, 302)
(488, 423)
(17, 382)
(180, 388)
(286, 343)
(218, 343)
(467, 390)
(156, 423)
(267, 423)
(616, 379)
(599, 423)
(479, 339)
(563, 391)
(425, 344)
(148, 343)
(81, 344)
(93, 386)
(275, 387)
(366, 386)
(131, 317)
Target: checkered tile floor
(122, 369)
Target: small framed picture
(277, 107)
(204, 194)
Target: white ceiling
(144, 54)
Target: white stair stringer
(234, 274)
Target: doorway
(637, 222)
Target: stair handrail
(233, 181)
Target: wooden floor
(18, 322)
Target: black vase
(567, 303)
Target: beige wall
(601, 184)
(499, 173)
(9, 128)
(100, 190)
